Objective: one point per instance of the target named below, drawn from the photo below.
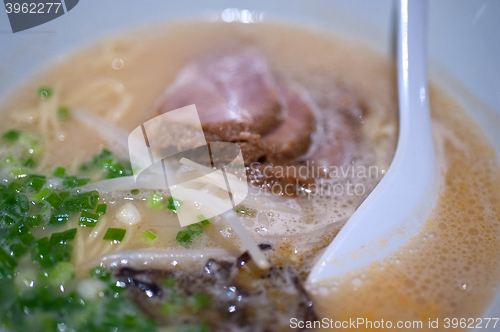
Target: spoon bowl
(395, 210)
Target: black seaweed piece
(149, 288)
(255, 309)
(245, 257)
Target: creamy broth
(448, 270)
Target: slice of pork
(235, 95)
(273, 120)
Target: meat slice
(236, 96)
(293, 137)
(274, 121)
(239, 100)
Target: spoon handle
(414, 116)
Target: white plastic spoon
(403, 199)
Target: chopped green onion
(61, 253)
(101, 209)
(23, 203)
(88, 219)
(59, 217)
(54, 200)
(18, 173)
(7, 260)
(134, 191)
(63, 112)
(155, 201)
(12, 135)
(82, 201)
(203, 220)
(10, 203)
(30, 163)
(60, 273)
(44, 92)
(169, 282)
(64, 195)
(63, 237)
(15, 186)
(106, 162)
(183, 237)
(17, 250)
(199, 301)
(23, 233)
(41, 195)
(8, 220)
(42, 252)
(73, 181)
(59, 172)
(114, 234)
(170, 309)
(100, 272)
(173, 204)
(35, 181)
(34, 221)
(8, 160)
(150, 235)
(195, 229)
(241, 210)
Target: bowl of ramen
(304, 97)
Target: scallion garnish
(35, 181)
(41, 195)
(59, 172)
(23, 203)
(173, 204)
(17, 250)
(111, 167)
(199, 301)
(73, 181)
(114, 234)
(134, 191)
(82, 201)
(203, 220)
(101, 209)
(63, 112)
(149, 235)
(34, 221)
(241, 210)
(12, 135)
(7, 261)
(59, 217)
(88, 219)
(155, 201)
(195, 229)
(30, 163)
(183, 237)
(54, 200)
(63, 237)
(23, 233)
(169, 282)
(64, 195)
(101, 273)
(44, 92)
(48, 254)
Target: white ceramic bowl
(464, 43)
